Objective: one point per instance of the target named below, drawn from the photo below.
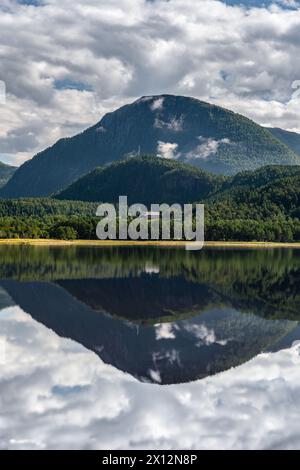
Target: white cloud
(50, 399)
(117, 51)
(173, 124)
(157, 104)
(167, 150)
(206, 148)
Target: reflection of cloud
(254, 406)
(205, 335)
(155, 375)
(206, 148)
(165, 331)
(151, 268)
(170, 356)
(166, 150)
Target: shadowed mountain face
(164, 316)
(185, 129)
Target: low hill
(146, 180)
(270, 188)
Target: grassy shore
(169, 244)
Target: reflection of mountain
(146, 298)
(5, 300)
(180, 351)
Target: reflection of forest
(145, 283)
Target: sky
(65, 64)
(55, 394)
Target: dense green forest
(260, 205)
(47, 218)
(147, 180)
(44, 207)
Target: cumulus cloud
(65, 64)
(50, 400)
(173, 124)
(167, 150)
(206, 148)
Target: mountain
(146, 180)
(6, 172)
(174, 127)
(291, 139)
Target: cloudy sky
(66, 63)
(56, 394)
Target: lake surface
(109, 348)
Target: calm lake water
(122, 348)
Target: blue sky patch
(259, 3)
(65, 390)
(71, 85)
(35, 3)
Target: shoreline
(129, 243)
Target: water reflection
(55, 394)
(163, 316)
